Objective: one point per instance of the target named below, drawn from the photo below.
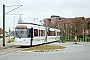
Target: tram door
(31, 36)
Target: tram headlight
(24, 39)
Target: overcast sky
(43, 9)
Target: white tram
(28, 34)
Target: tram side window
(41, 32)
(58, 33)
(52, 33)
(28, 32)
(35, 32)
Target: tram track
(8, 50)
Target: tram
(29, 34)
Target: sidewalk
(6, 40)
(7, 44)
(79, 43)
(84, 43)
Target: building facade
(0, 30)
(71, 26)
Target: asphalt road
(74, 52)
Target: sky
(36, 10)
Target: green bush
(12, 40)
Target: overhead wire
(13, 9)
(20, 14)
(29, 8)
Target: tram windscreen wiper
(18, 35)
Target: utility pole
(45, 32)
(9, 33)
(59, 26)
(62, 30)
(84, 22)
(46, 35)
(4, 21)
(3, 25)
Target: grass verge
(43, 48)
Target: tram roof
(36, 26)
(31, 24)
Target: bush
(12, 40)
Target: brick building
(76, 26)
(0, 30)
(72, 26)
(47, 22)
(53, 21)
